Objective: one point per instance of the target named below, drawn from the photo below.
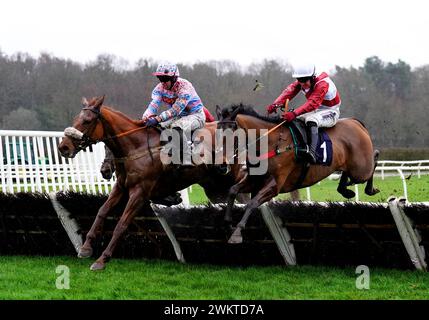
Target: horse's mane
(250, 111)
(121, 114)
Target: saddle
(299, 133)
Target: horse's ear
(84, 102)
(218, 112)
(99, 102)
(234, 113)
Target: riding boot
(186, 148)
(314, 136)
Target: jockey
(185, 109)
(322, 108)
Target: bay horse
(353, 155)
(141, 175)
(213, 186)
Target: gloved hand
(289, 116)
(272, 108)
(151, 122)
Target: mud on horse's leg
(114, 198)
(268, 191)
(136, 201)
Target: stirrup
(311, 156)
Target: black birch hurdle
(393, 234)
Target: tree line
(44, 93)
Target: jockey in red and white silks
(185, 109)
(323, 100)
(322, 108)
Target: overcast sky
(328, 32)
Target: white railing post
(2, 169)
(418, 170)
(404, 184)
(308, 193)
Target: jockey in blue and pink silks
(185, 110)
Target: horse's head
(226, 122)
(87, 128)
(226, 117)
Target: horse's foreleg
(114, 198)
(135, 203)
(268, 192)
(232, 194)
(342, 187)
(369, 188)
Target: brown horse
(141, 175)
(213, 186)
(353, 154)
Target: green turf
(418, 190)
(35, 278)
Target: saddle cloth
(300, 138)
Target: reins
(137, 155)
(123, 134)
(87, 140)
(265, 134)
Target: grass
(35, 278)
(326, 190)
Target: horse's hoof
(372, 192)
(96, 266)
(84, 252)
(348, 193)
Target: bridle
(84, 140)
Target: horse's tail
(376, 155)
(369, 188)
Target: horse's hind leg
(342, 187)
(369, 188)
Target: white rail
(30, 162)
(416, 165)
(393, 168)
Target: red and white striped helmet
(166, 69)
